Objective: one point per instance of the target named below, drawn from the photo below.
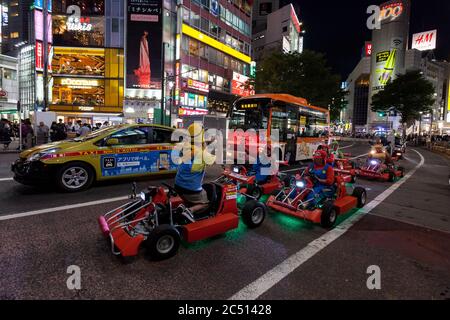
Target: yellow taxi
(123, 151)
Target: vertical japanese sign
(143, 44)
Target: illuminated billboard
(425, 40)
(389, 44)
(83, 32)
(39, 26)
(144, 44)
(238, 85)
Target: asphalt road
(407, 235)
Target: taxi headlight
(373, 152)
(37, 156)
(143, 196)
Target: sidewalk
(12, 148)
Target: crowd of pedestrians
(31, 136)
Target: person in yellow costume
(191, 172)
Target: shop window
(9, 74)
(186, 13)
(115, 25)
(195, 19)
(214, 30)
(226, 61)
(78, 92)
(14, 35)
(204, 25)
(193, 47)
(205, 3)
(220, 58)
(86, 62)
(203, 75)
(185, 44)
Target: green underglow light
(289, 223)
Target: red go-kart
(156, 220)
(293, 201)
(378, 170)
(247, 184)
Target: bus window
(292, 122)
(312, 124)
(279, 121)
(254, 118)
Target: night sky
(338, 28)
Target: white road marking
(360, 156)
(61, 208)
(6, 179)
(346, 147)
(279, 272)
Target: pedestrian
(42, 133)
(5, 133)
(27, 134)
(84, 130)
(53, 130)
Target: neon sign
(391, 11)
(79, 24)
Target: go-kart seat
(211, 192)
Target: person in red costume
(324, 178)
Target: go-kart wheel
(255, 191)
(391, 176)
(361, 195)
(254, 213)
(74, 176)
(329, 215)
(402, 171)
(163, 242)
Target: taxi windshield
(96, 133)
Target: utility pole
(45, 54)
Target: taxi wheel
(74, 176)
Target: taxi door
(131, 155)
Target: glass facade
(87, 79)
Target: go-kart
(292, 201)
(398, 152)
(375, 168)
(245, 179)
(156, 220)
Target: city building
(213, 63)
(132, 60)
(276, 30)
(389, 45)
(437, 72)
(9, 92)
(357, 85)
(15, 25)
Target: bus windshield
(291, 120)
(250, 116)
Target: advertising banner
(238, 85)
(144, 44)
(214, 7)
(389, 43)
(39, 26)
(425, 40)
(136, 163)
